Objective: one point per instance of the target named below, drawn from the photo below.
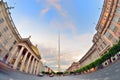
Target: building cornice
(7, 16)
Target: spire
(29, 37)
(59, 52)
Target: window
(5, 29)
(1, 20)
(102, 47)
(113, 40)
(15, 42)
(104, 43)
(119, 20)
(10, 48)
(0, 51)
(99, 49)
(113, 28)
(107, 34)
(0, 34)
(5, 42)
(115, 19)
(118, 10)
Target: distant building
(48, 69)
(73, 67)
(108, 32)
(18, 52)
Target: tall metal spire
(59, 52)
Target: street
(110, 73)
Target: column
(31, 69)
(35, 67)
(18, 58)
(23, 61)
(38, 68)
(12, 54)
(41, 66)
(28, 63)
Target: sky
(44, 19)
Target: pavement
(111, 72)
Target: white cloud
(44, 11)
(66, 22)
(48, 4)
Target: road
(110, 73)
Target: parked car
(40, 75)
(1, 59)
(51, 75)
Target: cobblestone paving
(110, 73)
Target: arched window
(0, 51)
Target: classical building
(48, 69)
(26, 57)
(18, 52)
(74, 66)
(108, 32)
(9, 35)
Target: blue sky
(42, 19)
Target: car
(51, 75)
(1, 59)
(40, 75)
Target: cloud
(48, 4)
(63, 25)
(44, 11)
(38, 0)
(57, 6)
(63, 22)
(71, 26)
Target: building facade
(108, 32)
(48, 69)
(9, 35)
(26, 57)
(74, 66)
(19, 52)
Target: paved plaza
(110, 73)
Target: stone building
(9, 35)
(108, 32)
(74, 66)
(16, 51)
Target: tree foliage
(111, 52)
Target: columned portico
(26, 57)
(18, 58)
